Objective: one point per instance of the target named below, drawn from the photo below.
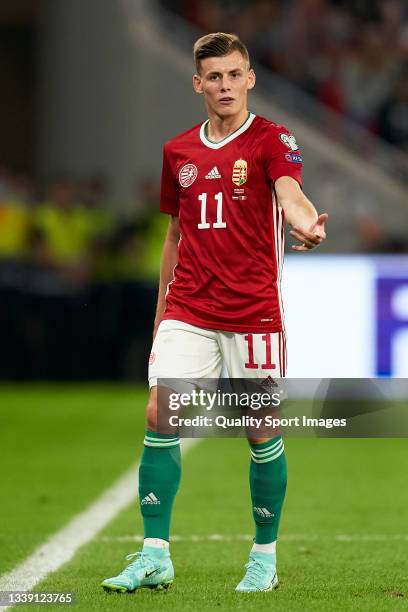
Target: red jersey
(230, 252)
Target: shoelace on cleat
(255, 571)
(142, 561)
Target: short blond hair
(218, 44)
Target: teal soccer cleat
(260, 574)
(148, 570)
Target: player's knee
(151, 410)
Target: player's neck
(219, 128)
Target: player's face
(224, 82)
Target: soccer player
(227, 184)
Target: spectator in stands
(367, 77)
(153, 227)
(267, 34)
(307, 33)
(206, 16)
(62, 232)
(16, 196)
(393, 117)
(327, 65)
(394, 18)
(94, 194)
(374, 238)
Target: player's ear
(251, 79)
(198, 88)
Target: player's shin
(159, 479)
(268, 478)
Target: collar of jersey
(217, 145)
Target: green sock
(267, 477)
(159, 479)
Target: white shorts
(184, 351)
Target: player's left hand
(313, 237)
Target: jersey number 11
(219, 223)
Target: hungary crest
(240, 172)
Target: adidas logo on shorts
(150, 499)
(213, 174)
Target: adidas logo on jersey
(263, 512)
(150, 499)
(213, 174)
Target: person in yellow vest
(15, 216)
(62, 233)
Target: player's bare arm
(307, 225)
(168, 263)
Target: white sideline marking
(217, 537)
(62, 546)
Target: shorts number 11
(251, 365)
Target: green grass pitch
(344, 534)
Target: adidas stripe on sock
(160, 440)
(268, 453)
(268, 477)
(159, 479)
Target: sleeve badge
(289, 140)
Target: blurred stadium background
(91, 89)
